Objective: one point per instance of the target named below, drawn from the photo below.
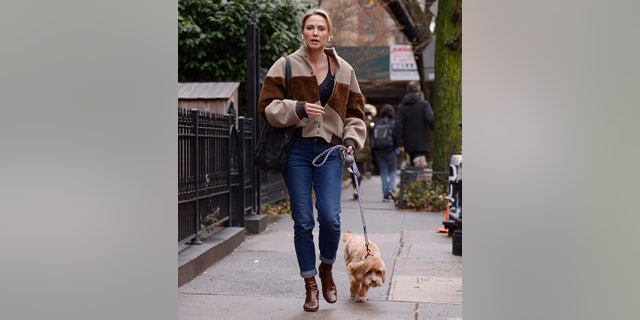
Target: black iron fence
(217, 182)
(272, 188)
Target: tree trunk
(447, 99)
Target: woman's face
(315, 32)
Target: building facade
(370, 40)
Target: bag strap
(287, 77)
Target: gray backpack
(382, 136)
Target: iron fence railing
(217, 182)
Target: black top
(326, 87)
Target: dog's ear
(383, 269)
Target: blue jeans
(301, 177)
(387, 166)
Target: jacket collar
(302, 51)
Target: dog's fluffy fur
(364, 271)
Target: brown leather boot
(311, 303)
(329, 291)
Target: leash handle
(326, 154)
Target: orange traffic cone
(446, 218)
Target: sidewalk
(260, 278)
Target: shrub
(423, 195)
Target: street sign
(402, 64)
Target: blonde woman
(327, 108)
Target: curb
(195, 259)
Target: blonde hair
(320, 12)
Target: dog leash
(348, 160)
(356, 173)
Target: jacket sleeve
(355, 129)
(272, 106)
(399, 129)
(428, 115)
(394, 132)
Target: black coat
(414, 118)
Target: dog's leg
(355, 286)
(362, 294)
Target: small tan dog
(364, 270)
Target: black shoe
(355, 196)
(385, 199)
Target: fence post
(236, 145)
(253, 86)
(235, 163)
(195, 157)
(246, 164)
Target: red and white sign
(402, 65)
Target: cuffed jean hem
(309, 273)
(327, 261)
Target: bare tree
(414, 23)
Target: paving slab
(438, 311)
(207, 307)
(427, 289)
(431, 267)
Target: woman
(327, 108)
(386, 156)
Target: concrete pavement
(260, 278)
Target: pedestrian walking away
(327, 108)
(383, 145)
(414, 119)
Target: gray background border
(88, 136)
(88, 147)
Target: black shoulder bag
(272, 148)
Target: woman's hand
(313, 110)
